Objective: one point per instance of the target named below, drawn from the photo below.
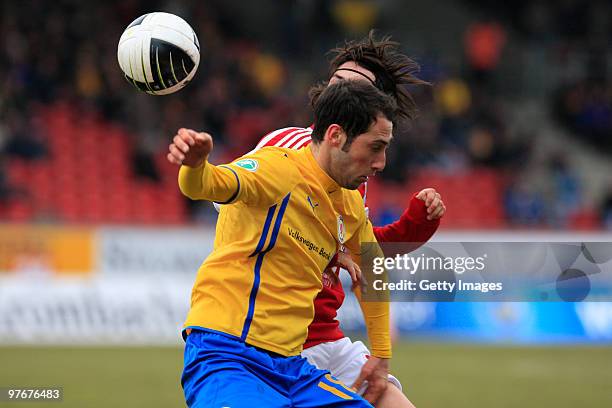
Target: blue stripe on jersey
(232, 198)
(264, 233)
(259, 261)
(252, 296)
(277, 224)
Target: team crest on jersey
(341, 230)
(248, 164)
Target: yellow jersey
(283, 221)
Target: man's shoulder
(267, 156)
(270, 162)
(274, 153)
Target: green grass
(434, 375)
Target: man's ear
(335, 136)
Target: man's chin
(354, 185)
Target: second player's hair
(394, 71)
(354, 106)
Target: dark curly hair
(394, 71)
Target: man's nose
(379, 162)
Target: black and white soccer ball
(159, 53)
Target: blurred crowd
(248, 85)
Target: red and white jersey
(289, 137)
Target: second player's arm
(418, 222)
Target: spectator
(484, 41)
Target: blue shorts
(222, 371)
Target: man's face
(364, 157)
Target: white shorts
(343, 358)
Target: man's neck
(322, 157)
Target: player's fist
(190, 148)
(433, 202)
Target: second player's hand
(190, 148)
(376, 372)
(345, 261)
(433, 202)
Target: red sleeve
(412, 226)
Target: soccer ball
(159, 53)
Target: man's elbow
(190, 192)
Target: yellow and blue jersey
(283, 221)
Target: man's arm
(257, 179)
(209, 182)
(198, 179)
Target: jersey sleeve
(376, 312)
(412, 227)
(261, 178)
